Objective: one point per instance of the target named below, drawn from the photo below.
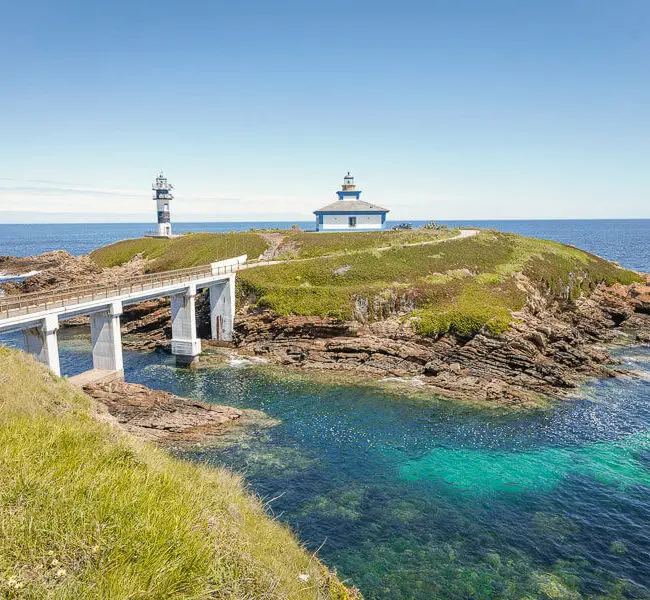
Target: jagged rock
(641, 299)
(643, 337)
(18, 265)
(60, 270)
(433, 368)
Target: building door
(352, 221)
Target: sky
(471, 109)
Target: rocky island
(479, 315)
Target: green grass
(123, 251)
(470, 308)
(312, 244)
(88, 512)
(458, 285)
(190, 250)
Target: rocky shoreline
(553, 345)
(550, 349)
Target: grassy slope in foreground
(459, 285)
(88, 512)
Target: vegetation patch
(460, 285)
(471, 308)
(88, 512)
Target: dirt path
(463, 233)
(275, 241)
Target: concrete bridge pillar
(185, 343)
(222, 309)
(107, 338)
(41, 341)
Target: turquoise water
(422, 498)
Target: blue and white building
(349, 212)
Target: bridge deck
(37, 302)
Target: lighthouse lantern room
(163, 196)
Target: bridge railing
(36, 301)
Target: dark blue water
(625, 240)
(420, 498)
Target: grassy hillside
(459, 285)
(87, 512)
(189, 250)
(202, 248)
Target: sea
(414, 497)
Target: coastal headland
(485, 316)
(478, 315)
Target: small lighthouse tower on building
(348, 190)
(163, 196)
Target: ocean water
(624, 240)
(419, 498)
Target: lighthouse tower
(349, 191)
(163, 196)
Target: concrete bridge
(38, 315)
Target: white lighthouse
(163, 196)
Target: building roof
(350, 206)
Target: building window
(352, 221)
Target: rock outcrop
(17, 265)
(160, 416)
(60, 269)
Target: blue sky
(255, 110)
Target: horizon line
(151, 223)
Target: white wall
(364, 221)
